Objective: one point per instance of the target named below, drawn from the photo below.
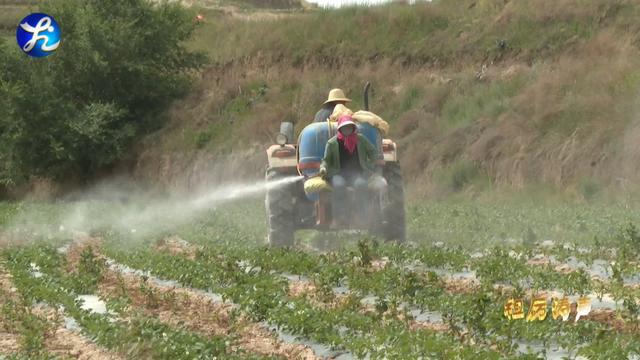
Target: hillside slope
(480, 94)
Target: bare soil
(177, 246)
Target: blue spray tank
(313, 141)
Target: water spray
(234, 192)
(100, 209)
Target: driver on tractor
(349, 160)
(336, 96)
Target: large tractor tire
(394, 213)
(280, 212)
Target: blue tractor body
(313, 141)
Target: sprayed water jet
(132, 212)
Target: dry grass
(515, 91)
(553, 103)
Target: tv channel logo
(38, 35)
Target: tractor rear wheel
(280, 212)
(394, 213)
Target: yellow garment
(338, 111)
(361, 116)
(315, 185)
(372, 119)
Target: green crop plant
(140, 335)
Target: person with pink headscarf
(349, 160)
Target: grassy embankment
(480, 95)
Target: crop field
(210, 288)
(501, 102)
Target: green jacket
(367, 154)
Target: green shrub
(120, 65)
(589, 188)
(630, 234)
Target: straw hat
(336, 95)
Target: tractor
(289, 208)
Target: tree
(119, 66)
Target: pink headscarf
(350, 142)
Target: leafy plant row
(262, 294)
(131, 332)
(476, 316)
(17, 317)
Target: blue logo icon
(38, 35)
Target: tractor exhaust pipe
(286, 129)
(366, 96)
